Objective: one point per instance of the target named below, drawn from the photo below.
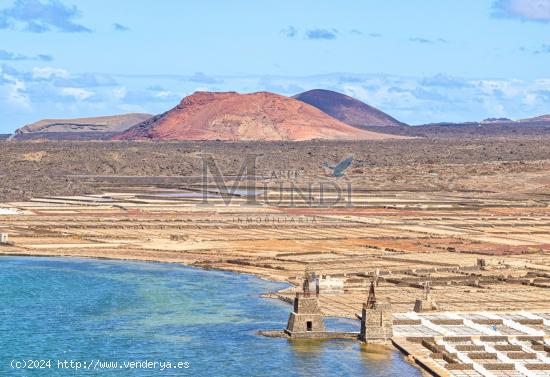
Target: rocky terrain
(44, 168)
(347, 109)
(256, 116)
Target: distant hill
(347, 109)
(542, 118)
(86, 128)
(255, 116)
(491, 127)
(64, 136)
(495, 120)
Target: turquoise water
(88, 310)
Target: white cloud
(527, 10)
(494, 108)
(17, 96)
(48, 72)
(530, 99)
(508, 88)
(38, 17)
(16, 92)
(77, 93)
(164, 94)
(119, 93)
(127, 108)
(542, 84)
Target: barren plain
(410, 212)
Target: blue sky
(419, 60)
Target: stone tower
(306, 320)
(376, 320)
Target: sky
(421, 61)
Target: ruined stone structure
(330, 285)
(306, 320)
(3, 238)
(426, 303)
(376, 320)
(376, 277)
(178, 237)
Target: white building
(3, 238)
(330, 285)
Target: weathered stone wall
(306, 312)
(305, 304)
(376, 323)
(297, 323)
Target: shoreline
(152, 260)
(265, 295)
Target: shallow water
(88, 310)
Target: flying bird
(339, 169)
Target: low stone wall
(521, 355)
(419, 339)
(499, 366)
(470, 348)
(449, 322)
(406, 322)
(507, 347)
(321, 335)
(529, 321)
(530, 338)
(436, 348)
(459, 366)
(457, 339)
(538, 366)
(482, 355)
(325, 335)
(496, 338)
(273, 333)
(488, 321)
